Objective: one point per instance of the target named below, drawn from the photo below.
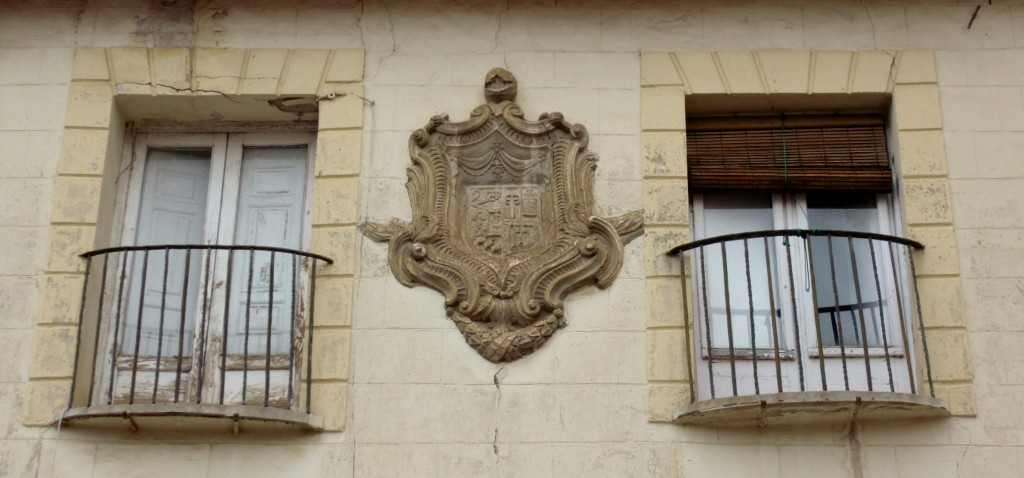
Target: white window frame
(219, 224)
(786, 214)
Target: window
(798, 278)
(207, 299)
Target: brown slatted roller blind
(796, 153)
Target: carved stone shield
(503, 222)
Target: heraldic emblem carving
(503, 222)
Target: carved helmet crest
(503, 222)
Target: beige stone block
(438, 413)
(263, 71)
(131, 65)
(740, 72)
(926, 201)
(66, 243)
(786, 71)
(303, 71)
(62, 297)
(916, 66)
(400, 356)
(345, 111)
(335, 201)
(871, 71)
(665, 302)
(700, 72)
(339, 244)
(83, 151)
(565, 413)
(45, 401)
(162, 460)
(467, 460)
(609, 357)
(917, 107)
(89, 105)
(922, 153)
(939, 256)
(218, 69)
(171, 67)
(338, 153)
(663, 108)
(330, 354)
(831, 72)
(664, 399)
(666, 201)
(664, 153)
(76, 200)
(330, 401)
(90, 64)
(658, 240)
(346, 66)
(658, 69)
(941, 302)
(666, 355)
(241, 460)
(959, 397)
(334, 302)
(949, 354)
(53, 352)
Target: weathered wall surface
(421, 402)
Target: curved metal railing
(802, 310)
(196, 324)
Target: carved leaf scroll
(503, 222)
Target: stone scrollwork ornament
(503, 222)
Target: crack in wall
(499, 376)
(854, 446)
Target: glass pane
(848, 211)
(729, 213)
(271, 203)
(172, 211)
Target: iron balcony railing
(802, 310)
(196, 324)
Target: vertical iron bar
(796, 321)
(117, 325)
(78, 334)
(903, 320)
(99, 323)
(138, 327)
(860, 311)
(728, 318)
(771, 311)
(181, 322)
(707, 320)
(270, 324)
(160, 333)
(291, 332)
(204, 317)
(750, 301)
(814, 311)
(686, 326)
(245, 342)
(309, 350)
(226, 319)
(881, 314)
(839, 314)
(920, 321)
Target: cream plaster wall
(421, 403)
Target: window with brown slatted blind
(789, 153)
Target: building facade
(129, 127)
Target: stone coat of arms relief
(503, 222)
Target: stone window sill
(804, 408)
(191, 416)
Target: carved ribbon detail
(503, 222)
